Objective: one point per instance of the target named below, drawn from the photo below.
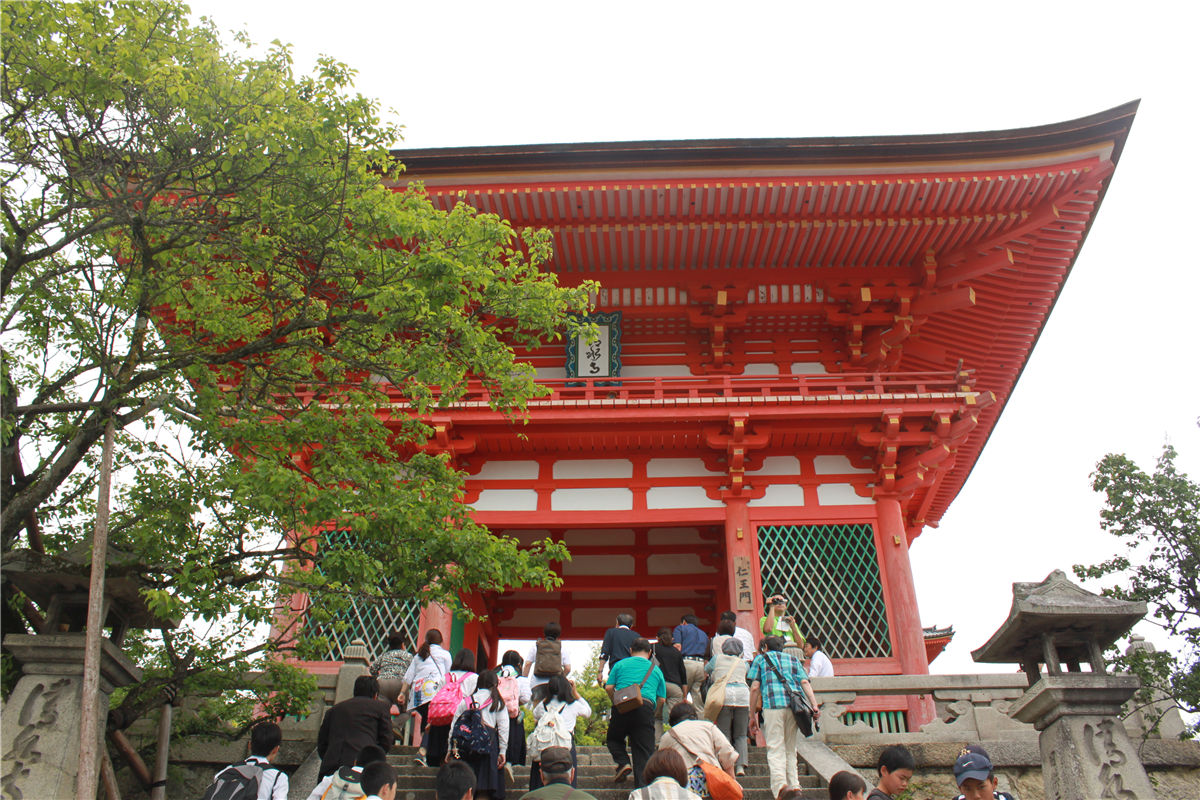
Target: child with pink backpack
(459, 685)
(514, 688)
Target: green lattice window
(369, 620)
(882, 721)
(830, 577)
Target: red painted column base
(902, 602)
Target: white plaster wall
(600, 565)
(534, 618)
(841, 494)
(680, 497)
(780, 494)
(677, 564)
(777, 465)
(673, 536)
(506, 500)
(761, 369)
(550, 373)
(507, 471)
(600, 618)
(593, 468)
(837, 465)
(656, 371)
(808, 368)
(678, 468)
(611, 499)
(615, 536)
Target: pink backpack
(445, 702)
(511, 692)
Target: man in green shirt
(557, 774)
(637, 724)
(777, 622)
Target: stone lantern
(42, 716)
(1086, 751)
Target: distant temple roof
(936, 640)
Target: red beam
(621, 583)
(975, 266)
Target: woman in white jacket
(489, 780)
(563, 701)
(425, 675)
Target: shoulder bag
(715, 700)
(797, 701)
(721, 786)
(629, 698)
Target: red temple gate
(805, 344)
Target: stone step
(588, 754)
(406, 766)
(595, 776)
(612, 794)
(417, 783)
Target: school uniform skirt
(515, 754)
(488, 777)
(439, 744)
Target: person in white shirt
(264, 747)
(551, 634)
(425, 675)
(368, 755)
(742, 635)
(564, 701)
(819, 664)
(509, 671)
(462, 674)
(489, 780)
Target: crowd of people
(684, 710)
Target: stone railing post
(42, 716)
(354, 664)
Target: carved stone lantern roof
(1057, 622)
(59, 584)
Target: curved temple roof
(962, 242)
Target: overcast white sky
(1116, 367)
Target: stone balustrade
(969, 707)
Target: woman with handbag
(709, 756)
(425, 675)
(728, 702)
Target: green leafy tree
(594, 729)
(1157, 517)
(201, 248)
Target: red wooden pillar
(435, 616)
(902, 602)
(741, 557)
(491, 645)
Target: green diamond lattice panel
(368, 620)
(830, 577)
(882, 721)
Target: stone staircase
(595, 776)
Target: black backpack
(471, 735)
(236, 782)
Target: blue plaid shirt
(773, 692)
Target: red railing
(739, 387)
